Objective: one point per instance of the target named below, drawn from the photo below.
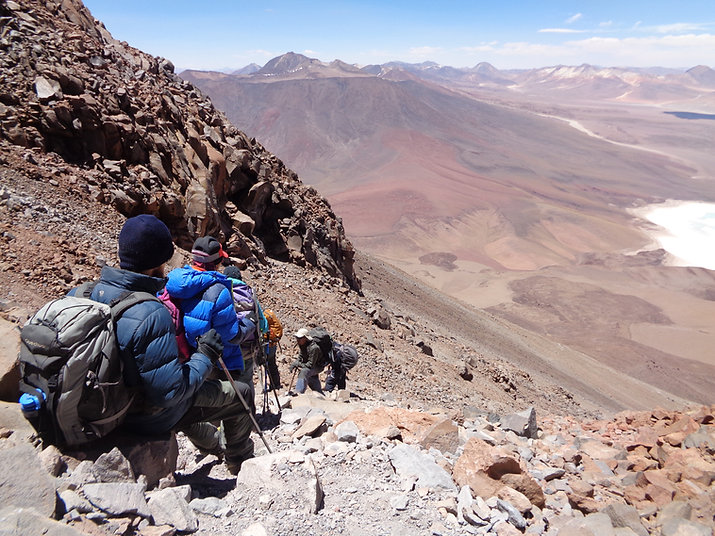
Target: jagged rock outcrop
(159, 145)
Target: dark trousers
(217, 401)
(274, 375)
(308, 377)
(336, 377)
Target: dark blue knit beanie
(144, 243)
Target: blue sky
(225, 34)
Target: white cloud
(679, 27)
(670, 50)
(603, 49)
(484, 47)
(657, 50)
(259, 52)
(425, 51)
(605, 24)
(530, 49)
(560, 30)
(574, 18)
(689, 41)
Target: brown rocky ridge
(155, 143)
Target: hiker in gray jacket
(309, 364)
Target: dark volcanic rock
(158, 144)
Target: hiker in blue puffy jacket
(207, 299)
(172, 395)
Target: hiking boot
(217, 451)
(234, 466)
(220, 449)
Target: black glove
(210, 345)
(260, 356)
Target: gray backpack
(70, 365)
(346, 355)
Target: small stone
(347, 431)
(400, 502)
(265, 502)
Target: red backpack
(177, 316)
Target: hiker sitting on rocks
(172, 395)
(309, 363)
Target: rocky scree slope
(346, 466)
(60, 213)
(155, 143)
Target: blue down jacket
(147, 343)
(207, 302)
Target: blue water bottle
(31, 404)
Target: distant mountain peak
(485, 68)
(339, 64)
(700, 69)
(287, 63)
(411, 66)
(248, 69)
(702, 74)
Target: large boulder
(413, 426)
(23, 481)
(412, 463)
(522, 423)
(480, 467)
(154, 457)
(23, 521)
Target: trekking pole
(264, 387)
(290, 387)
(275, 393)
(245, 404)
(268, 375)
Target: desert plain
(604, 286)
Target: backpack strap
(256, 310)
(120, 304)
(128, 299)
(85, 289)
(118, 307)
(260, 358)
